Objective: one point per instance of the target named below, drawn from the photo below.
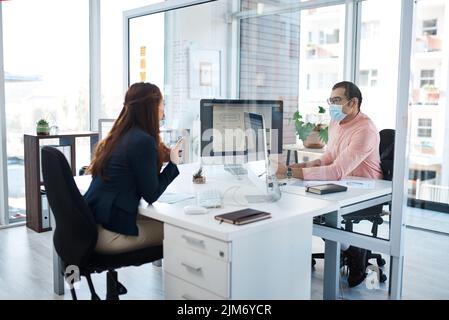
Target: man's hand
(310, 164)
(297, 173)
(280, 169)
(298, 165)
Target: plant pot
(199, 180)
(313, 141)
(42, 130)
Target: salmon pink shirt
(353, 150)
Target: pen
(354, 183)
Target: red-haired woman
(127, 167)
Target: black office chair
(76, 234)
(372, 214)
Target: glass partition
(428, 189)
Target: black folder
(243, 216)
(326, 188)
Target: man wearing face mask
(353, 147)
(353, 150)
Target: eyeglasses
(334, 100)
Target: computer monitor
(255, 132)
(223, 127)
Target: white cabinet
(270, 264)
(178, 289)
(195, 266)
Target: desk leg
(58, 278)
(396, 273)
(332, 262)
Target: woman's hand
(174, 152)
(165, 152)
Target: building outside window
(368, 78)
(370, 30)
(429, 27)
(424, 128)
(427, 78)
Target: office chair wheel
(380, 262)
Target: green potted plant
(42, 127)
(313, 134)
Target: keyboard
(210, 198)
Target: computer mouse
(192, 209)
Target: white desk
(204, 259)
(268, 259)
(348, 202)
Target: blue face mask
(336, 112)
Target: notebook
(326, 188)
(243, 216)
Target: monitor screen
(223, 126)
(255, 139)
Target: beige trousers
(151, 232)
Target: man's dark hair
(351, 90)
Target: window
(112, 53)
(425, 122)
(378, 69)
(427, 78)
(47, 76)
(327, 80)
(429, 27)
(333, 37)
(147, 54)
(424, 133)
(424, 128)
(428, 107)
(370, 30)
(330, 37)
(317, 77)
(368, 78)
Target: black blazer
(130, 174)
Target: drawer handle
(197, 242)
(187, 297)
(190, 267)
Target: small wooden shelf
(33, 181)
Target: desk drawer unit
(178, 289)
(197, 268)
(191, 240)
(198, 260)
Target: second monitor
(223, 128)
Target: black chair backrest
(386, 151)
(76, 234)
